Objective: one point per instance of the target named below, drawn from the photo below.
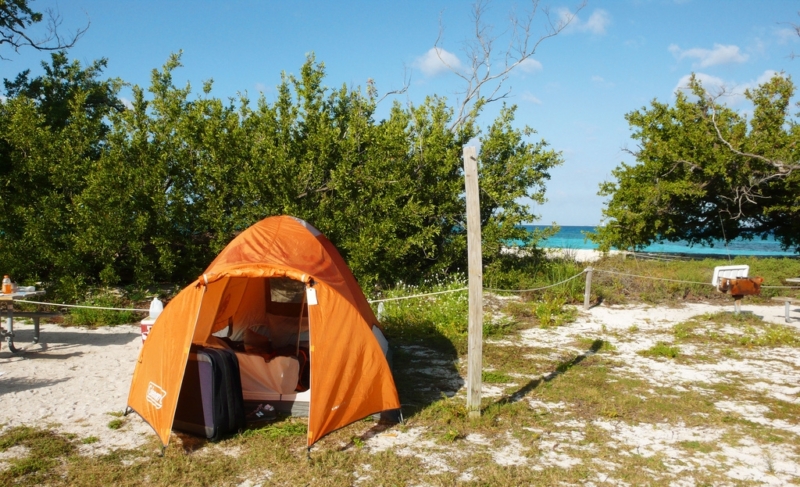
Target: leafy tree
(46, 161)
(56, 89)
(93, 192)
(705, 172)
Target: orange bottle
(7, 285)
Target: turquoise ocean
(573, 237)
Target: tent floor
(293, 408)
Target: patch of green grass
(430, 319)
(452, 435)
(554, 312)
(520, 310)
(284, 429)
(44, 451)
(116, 424)
(592, 343)
(494, 377)
(621, 289)
(751, 331)
(89, 440)
(499, 327)
(701, 446)
(661, 349)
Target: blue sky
(614, 58)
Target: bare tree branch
(483, 77)
(373, 91)
(16, 18)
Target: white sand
(630, 329)
(81, 376)
(73, 381)
(578, 255)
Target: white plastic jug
(156, 307)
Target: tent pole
(300, 324)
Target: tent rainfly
(279, 284)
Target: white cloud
(530, 65)
(712, 84)
(733, 92)
(765, 76)
(261, 87)
(721, 54)
(600, 81)
(528, 96)
(595, 24)
(786, 35)
(437, 61)
(128, 104)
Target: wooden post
(587, 290)
(475, 262)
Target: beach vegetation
(494, 377)
(561, 404)
(662, 349)
(729, 330)
(99, 193)
(43, 451)
(705, 172)
(92, 316)
(677, 281)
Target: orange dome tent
(252, 286)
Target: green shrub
(661, 349)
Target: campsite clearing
(581, 405)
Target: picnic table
(8, 332)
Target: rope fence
(588, 272)
(653, 278)
(418, 295)
(61, 305)
(537, 288)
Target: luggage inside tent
(283, 299)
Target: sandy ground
(79, 379)
(578, 255)
(74, 381)
(769, 371)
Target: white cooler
(146, 325)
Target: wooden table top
(19, 295)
